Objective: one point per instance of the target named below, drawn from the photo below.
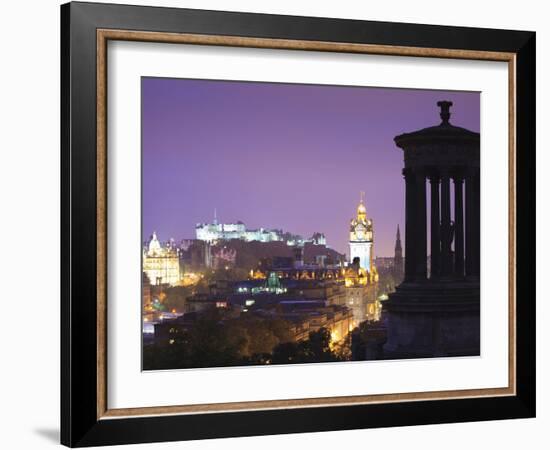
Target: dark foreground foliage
(214, 343)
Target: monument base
(433, 319)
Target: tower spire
(361, 209)
(398, 258)
(398, 248)
(215, 216)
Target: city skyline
(286, 156)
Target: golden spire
(361, 209)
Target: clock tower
(361, 239)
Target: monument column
(472, 223)
(446, 263)
(435, 238)
(410, 224)
(459, 225)
(477, 223)
(469, 227)
(421, 230)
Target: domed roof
(444, 132)
(361, 209)
(154, 245)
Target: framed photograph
(276, 224)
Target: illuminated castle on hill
(215, 231)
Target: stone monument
(437, 313)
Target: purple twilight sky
(281, 155)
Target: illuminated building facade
(361, 292)
(161, 264)
(361, 239)
(146, 293)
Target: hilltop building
(215, 231)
